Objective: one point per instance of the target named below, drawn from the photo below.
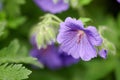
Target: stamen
(80, 34)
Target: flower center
(80, 34)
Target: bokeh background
(22, 15)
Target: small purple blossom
(103, 53)
(78, 41)
(51, 56)
(118, 1)
(52, 6)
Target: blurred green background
(20, 16)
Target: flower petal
(118, 1)
(50, 6)
(93, 36)
(65, 33)
(68, 41)
(69, 25)
(83, 50)
(103, 53)
(74, 24)
(68, 59)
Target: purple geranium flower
(118, 1)
(52, 6)
(78, 41)
(103, 53)
(51, 56)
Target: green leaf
(84, 2)
(85, 20)
(14, 23)
(79, 3)
(117, 70)
(40, 40)
(12, 7)
(46, 30)
(74, 3)
(13, 72)
(11, 54)
(97, 69)
(110, 46)
(106, 43)
(2, 15)
(2, 27)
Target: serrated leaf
(13, 72)
(11, 54)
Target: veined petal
(93, 36)
(68, 41)
(86, 50)
(65, 33)
(74, 24)
(77, 41)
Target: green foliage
(16, 54)
(84, 2)
(85, 20)
(12, 13)
(15, 22)
(79, 3)
(97, 69)
(117, 70)
(46, 30)
(12, 7)
(17, 18)
(109, 46)
(106, 43)
(2, 27)
(13, 72)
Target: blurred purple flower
(51, 56)
(1, 5)
(103, 53)
(78, 41)
(118, 1)
(52, 6)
